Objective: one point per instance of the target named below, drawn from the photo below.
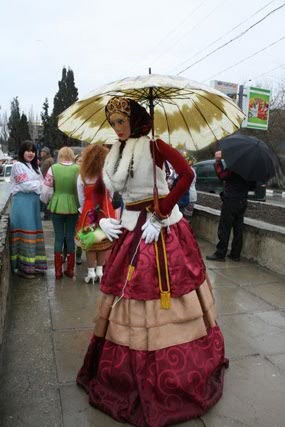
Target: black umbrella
(249, 157)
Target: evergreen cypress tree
(24, 128)
(47, 126)
(18, 127)
(66, 95)
(14, 140)
(4, 136)
(72, 91)
(59, 100)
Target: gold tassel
(130, 272)
(165, 301)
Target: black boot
(215, 257)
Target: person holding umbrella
(249, 160)
(157, 354)
(234, 205)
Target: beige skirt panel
(143, 325)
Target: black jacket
(234, 185)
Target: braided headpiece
(118, 104)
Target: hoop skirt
(148, 366)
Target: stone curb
(275, 193)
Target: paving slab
(237, 300)
(223, 265)
(253, 333)
(218, 280)
(278, 361)
(253, 396)
(273, 293)
(250, 274)
(29, 394)
(73, 304)
(69, 361)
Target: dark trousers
(232, 215)
(64, 229)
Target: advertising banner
(256, 108)
(229, 89)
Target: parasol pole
(151, 108)
(155, 190)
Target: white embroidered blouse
(24, 179)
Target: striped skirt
(26, 234)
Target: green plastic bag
(90, 238)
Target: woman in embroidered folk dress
(157, 355)
(26, 231)
(94, 202)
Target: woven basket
(101, 246)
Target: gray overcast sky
(103, 41)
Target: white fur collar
(116, 181)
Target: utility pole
(240, 96)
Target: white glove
(111, 227)
(151, 230)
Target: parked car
(208, 181)
(5, 172)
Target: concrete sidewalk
(50, 324)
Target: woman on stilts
(157, 354)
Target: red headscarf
(140, 120)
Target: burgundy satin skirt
(133, 382)
(185, 265)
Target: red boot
(70, 265)
(58, 265)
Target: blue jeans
(64, 228)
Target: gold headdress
(118, 104)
